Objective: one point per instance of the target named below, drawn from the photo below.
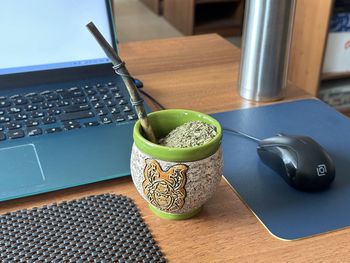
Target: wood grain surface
(197, 72)
(308, 45)
(200, 73)
(180, 14)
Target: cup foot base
(170, 216)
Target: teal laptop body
(48, 162)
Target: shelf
(346, 112)
(340, 75)
(224, 17)
(221, 16)
(225, 27)
(214, 1)
(222, 31)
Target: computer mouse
(300, 160)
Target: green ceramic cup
(176, 182)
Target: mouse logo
(165, 189)
(321, 170)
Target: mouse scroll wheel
(280, 134)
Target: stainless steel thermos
(265, 49)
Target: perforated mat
(102, 228)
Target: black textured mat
(102, 228)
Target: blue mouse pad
(288, 213)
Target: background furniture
(154, 5)
(310, 33)
(191, 17)
(225, 17)
(200, 73)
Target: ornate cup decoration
(176, 182)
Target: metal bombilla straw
(120, 68)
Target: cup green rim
(170, 216)
(178, 154)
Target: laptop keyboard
(36, 114)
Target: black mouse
(300, 160)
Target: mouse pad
(288, 213)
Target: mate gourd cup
(176, 182)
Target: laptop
(65, 116)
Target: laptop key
(110, 103)
(113, 110)
(14, 110)
(132, 117)
(31, 107)
(46, 92)
(117, 95)
(13, 126)
(76, 115)
(97, 105)
(106, 97)
(47, 105)
(73, 89)
(16, 96)
(15, 134)
(4, 103)
(30, 95)
(2, 136)
(38, 114)
(90, 91)
(91, 123)
(2, 112)
(36, 99)
(63, 103)
(102, 90)
(21, 116)
(4, 119)
(118, 117)
(53, 130)
(77, 93)
(79, 100)
(74, 108)
(70, 125)
(20, 101)
(106, 120)
(31, 122)
(49, 120)
(94, 98)
(67, 123)
(126, 109)
(122, 102)
(66, 94)
(51, 97)
(32, 131)
(102, 112)
(1, 128)
(54, 111)
(114, 89)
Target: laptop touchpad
(19, 168)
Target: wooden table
(200, 73)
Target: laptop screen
(41, 35)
